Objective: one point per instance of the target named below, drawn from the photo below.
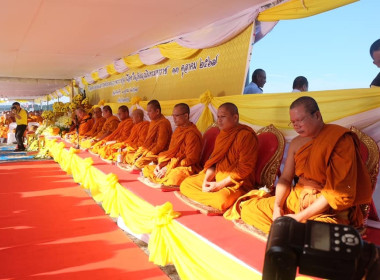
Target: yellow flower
(47, 115)
(85, 101)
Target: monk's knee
(222, 200)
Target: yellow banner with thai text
(221, 69)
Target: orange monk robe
(181, 159)
(109, 126)
(120, 134)
(3, 128)
(157, 141)
(85, 126)
(38, 119)
(88, 138)
(234, 155)
(134, 141)
(96, 128)
(4, 131)
(332, 161)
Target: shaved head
(154, 109)
(155, 104)
(307, 102)
(181, 114)
(230, 107)
(98, 112)
(183, 107)
(137, 116)
(228, 116)
(124, 108)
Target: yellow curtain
(294, 9)
(265, 109)
(133, 61)
(173, 50)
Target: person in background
(375, 54)
(259, 78)
(300, 84)
(22, 121)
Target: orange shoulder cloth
(177, 140)
(223, 142)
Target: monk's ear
(318, 114)
(236, 117)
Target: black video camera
(319, 249)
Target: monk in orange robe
(38, 118)
(332, 178)
(108, 127)
(135, 139)
(157, 140)
(99, 121)
(120, 134)
(4, 123)
(229, 173)
(85, 123)
(182, 158)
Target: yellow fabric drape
(84, 81)
(133, 61)
(206, 118)
(169, 241)
(174, 50)
(264, 109)
(111, 69)
(95, 76)
(64, 93)
(294, 9)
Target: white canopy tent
(51, 41)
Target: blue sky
(330, 49)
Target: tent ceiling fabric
(55, 39)
(24, 88)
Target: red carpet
(51, 229)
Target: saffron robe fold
(157, 140)
(332, 161)
(135, 140)
(109, 126)
(85, 125)
(96, 128)
(234, 155)
(181, 159)
(120, 134)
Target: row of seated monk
(333, 181)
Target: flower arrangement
(59, 107)
(72, 106)
(85, 101)
(78, 99)
(33, 146)
(47, 115)
(51, 130)
(63, 123)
